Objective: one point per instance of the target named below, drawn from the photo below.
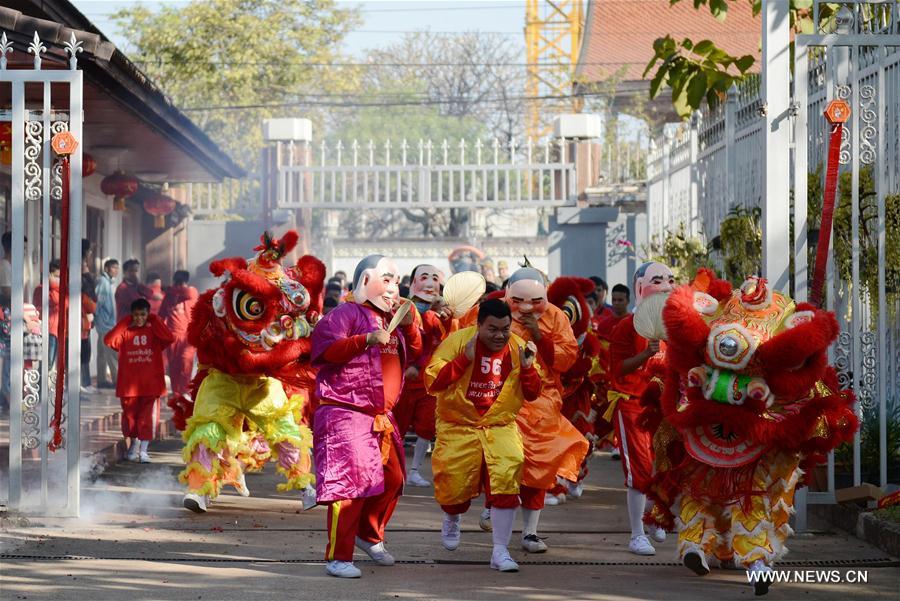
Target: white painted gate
(44, 101)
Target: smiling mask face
(426, 283)
(652, 278)
(377, 281)
(527, 293)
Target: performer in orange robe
(553, 446)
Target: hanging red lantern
(120, 186)
(5, 142)
(159, 205)
(88, 165)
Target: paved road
(135, 542)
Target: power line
(374, 64)
(507, 6)
(422, 102)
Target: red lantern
(120, 186)
(88, 165)
(159, 205)
(5, 142)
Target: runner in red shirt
(604, 429)
(140, 339)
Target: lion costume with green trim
(247, 331)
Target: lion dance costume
(748, 401)
(247, 331)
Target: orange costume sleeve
(553, 446)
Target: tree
(234, 53)
(437, 88)
(701, 71)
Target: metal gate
(42, 102)
(855, 55)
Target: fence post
(776, 97)
(694, 200)
(730, 153)
(666, 188)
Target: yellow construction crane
(553, 32)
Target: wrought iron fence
(714, 163)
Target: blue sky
(384, 20)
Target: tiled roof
(620, 33)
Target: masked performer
(358, 449)
(633, 362)
(553, 447)
(244, 331)
(415, 409)
(481, 377)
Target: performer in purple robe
(358, 448)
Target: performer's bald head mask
(527, 293)
(377, 280)
(652, 278)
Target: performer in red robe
(633, 361)
(175, 312)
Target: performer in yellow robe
(480, 377)
(553, 446)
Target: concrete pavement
(134, 541)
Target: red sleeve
(116, 336)
(450, 373)
(345, 349)
(162, 333)
(413, 337)
(530, 380)
(546, 350)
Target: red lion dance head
(748, 372)
(259, 319)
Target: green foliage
(694, 72)
(740, 237)
(216, 53)
(701, 71)
(684, 254)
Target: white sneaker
(696, 562)
(533, 544)
(195, 503)
(760, 585)
(553, 500)
(376, 551)
(145, 457)
(88, 390)
(484, 521)
(134, 452)
(640, 545)
(308, 499)
(414, 479)
(342, 569)
(450, 533)
(576, 490)
(502, 562)
(657, 533)
(614, 454)
(241, 486)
